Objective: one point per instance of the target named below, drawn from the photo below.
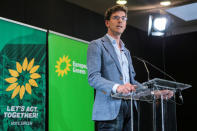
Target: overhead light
(121, 2)
(165, 3)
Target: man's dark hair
(113, 9)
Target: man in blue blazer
(110, 70)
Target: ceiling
(139, 11)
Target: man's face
(117, 23)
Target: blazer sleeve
(94, 63)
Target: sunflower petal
(58, 63)
(12, 86)
(28, 88)
(13, 73)
(57, 66)
(25, 63)
(57, 70)
(34, 69)
(31, 63)
(61, 60)
(15, 92)
(22, 92)
(35, 76)
(11, 80)
(65, 71)
(68, 60)
(64, 58)
(67, 68)
(62, 73)
(18, 67)
(33, 82)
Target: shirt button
(121, 78)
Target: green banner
(22, 77)
(70, 97)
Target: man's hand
(126, 88)
(167, 94)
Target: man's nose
(120, 20)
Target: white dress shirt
(122, 60)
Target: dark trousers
(122, 121)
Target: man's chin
(118, 33)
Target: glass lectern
(155, 111)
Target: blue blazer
(103, 72)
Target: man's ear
(107, 23)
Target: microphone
(144, 65)
(180, 96)
(144, 61)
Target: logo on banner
(23, 78)
(63, 66)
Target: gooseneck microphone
(144, 65)
(144, 61)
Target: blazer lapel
(131, 69)
(128, 57)
(109, 47)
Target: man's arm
(95, 79)
(94, 61)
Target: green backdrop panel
(70, 97)
(22, 77)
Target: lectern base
(146, 119)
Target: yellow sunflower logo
(23, 78)
(63, 66)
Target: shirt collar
(113, 41)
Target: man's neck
(116, 37)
